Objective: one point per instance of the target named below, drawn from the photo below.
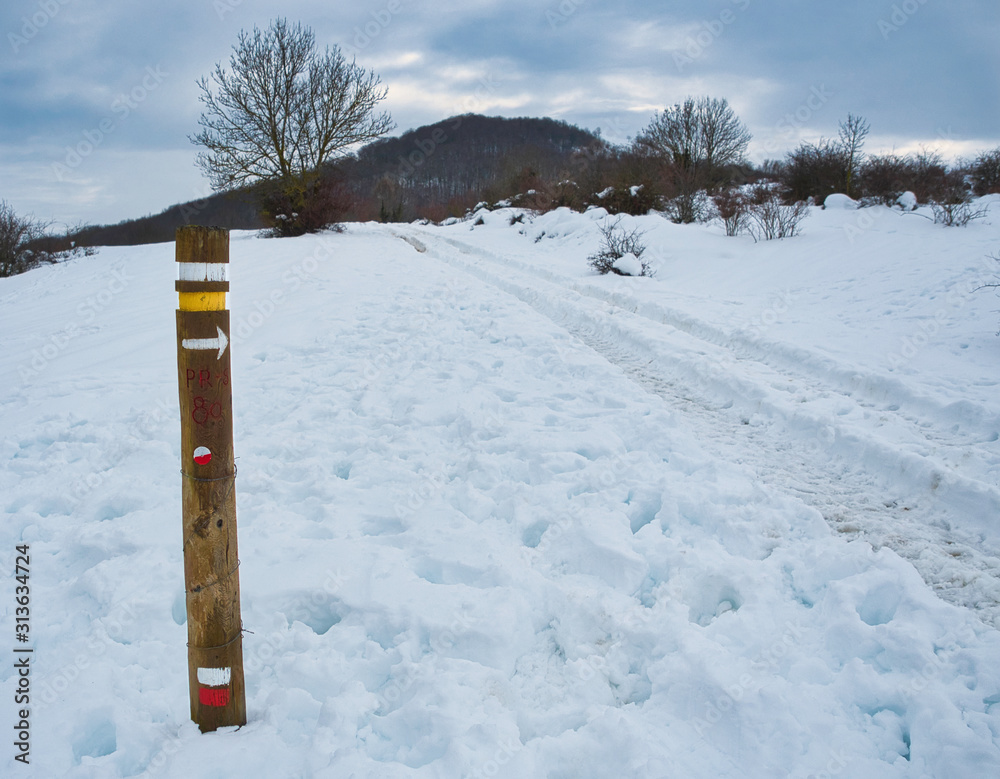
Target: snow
(629, 265)
(500, 516)
(840, 201)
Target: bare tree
(703, 134)
(673, 135)
(853, 132)
(724, 137)
(695, 140)
(282, 111)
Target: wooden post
(211, 562)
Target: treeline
(688, 159)
(238, 210)
(689, 163)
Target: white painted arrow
(202, 344)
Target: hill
(457, 162)
(433, 171)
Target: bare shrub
(732, 209)
(931, 179)
(993, 284)
(567, 194)
(956, 213)
(884, 178)
(986, 173)
(770, 219)
(815, 171)
(321, 206)
(828, 167)
(952, 204)
(689, 207)
(636, 200)
(17, 234)
(617, 242)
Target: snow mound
(628, 265)
(838, 201)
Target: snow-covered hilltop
(500, 516)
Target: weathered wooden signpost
(211, 562)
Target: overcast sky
(97, 99)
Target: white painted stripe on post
(203, 271)
(214, 677)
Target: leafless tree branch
(282, 110)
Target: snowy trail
(879, 465)
(477, 538)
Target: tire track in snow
(836, 471)
(847, 497)
(883, 409)
(913, 416)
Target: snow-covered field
(500, 516)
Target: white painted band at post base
(203, 271)
(214, 677)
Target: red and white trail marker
(213, 687)
(202, 455)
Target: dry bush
(634, 200)
(567, 194)
(321, 207)
(770, 218)
(884, 178)
(815, 171)
(732, 209)
(986, 173)
(956, 213)
(617, 242)
(689, 208)
(931, 179)
(17, 234)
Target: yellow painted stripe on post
(202, 301)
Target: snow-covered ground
(502, 517)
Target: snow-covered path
(876, 459)
(479, 534)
